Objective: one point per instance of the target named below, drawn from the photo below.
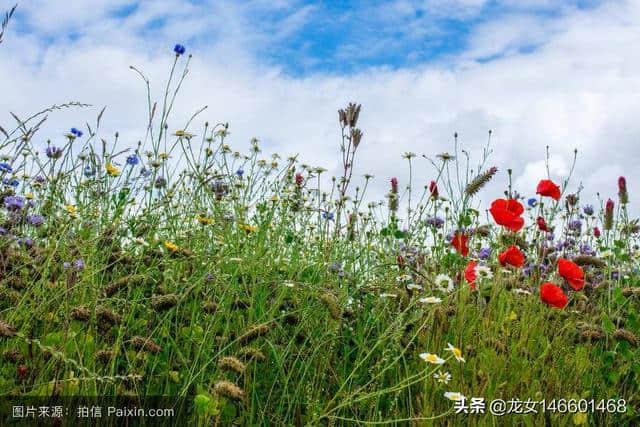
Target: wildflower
(470, 274)
(444, 282)
(183, 134)
(71, 210)
(78, 264)
(35, 220)
(459, 242)
(435, 222)
(456, 352)
(14, 203)
(54, 152)
(26, 242)
(403, 278)
(248, 228)
(506, 212)
(204, 220)
(623, 194)
(179, 49)
(11, 182)
(484, 253)
(572, 272)
(596, 232)
(112, 170)
(454, 395)
(133, 160)
(387, 295)
(608, 215)
(532, 202)
(433, 190)
(432, 358)
(76, 132)
(445, 157)
(512, 256)
(520, 291)
(430, 300)
(442, 377)
(483, 272)
(327, 215)
(240, 172)
(547, 188)
(5, 167)
(588, 210)
(172, 247)
(160, 182)
(553, 295)
(575, 225)
(542, 224)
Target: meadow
(243, 286)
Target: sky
(537, 73)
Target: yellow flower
(172, 247)
(204, 220)
(456, 352)
(112, 170)
(183, 134)
(72, 210)
(29, 196)
(275, 198)
(163, 156)
(248, 228)
(512, 316)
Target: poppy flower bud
(299, 179)
(400, 261)
(596, 232)
(623, 195)
(608, 215)
(433, 189)
(394, 185)
(542, 224)
(23, 371)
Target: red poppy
(553, 295)
(542, 224)
(512, 256)
(572, 273)
(506, 212)
(459, 241)
(433, 189)
(470, 273)
(546, 187)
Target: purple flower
(54, 152)
(484, 253)
(10, 182)
(26, 242)
(160, 182)
(588, 210)
(3, 231)
(66, 265)
(435, 221)
(40, 179)
(209, 277)
(575, 225)
(78, 264)
(35, 220)
(14, 203)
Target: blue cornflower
(179, 49)
(5, 167)
(76, 132)
(54, 152)
(328, 216)
(14, 203)
(240, 172)
(35, 220)
(11, 182)
(89, 171)
(588, 210)
(532, 202)
(133, 160)
(575, 225)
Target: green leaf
(607, 324)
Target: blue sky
(535, 72)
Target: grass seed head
(164, 302)
(250, 353)
(230, 363)
(229, 390)
(626, 335)
(145, 344)
(255, 332)
(333, 306)
(80, 313)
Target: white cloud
(579, 89)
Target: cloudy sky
(535, 72)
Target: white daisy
(444, 282)
(520, 291)
(456, 352)
(431, 358)
(442, 377)
(413, 286)
(453, 395)
(483, 272)
(430, 300)
(385, 295)
(403, 278)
